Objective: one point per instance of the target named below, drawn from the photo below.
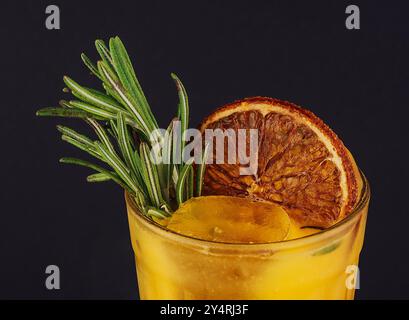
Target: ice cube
(230, 219)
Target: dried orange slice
(302, 164)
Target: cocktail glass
(319, 266)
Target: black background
(356, 81)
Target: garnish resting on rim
(123, 121)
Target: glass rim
(312, 238)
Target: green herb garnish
(123, 122)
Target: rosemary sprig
(181, 187)
(118, 114)
(112, 175)
(201, 170)
(66, 113)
